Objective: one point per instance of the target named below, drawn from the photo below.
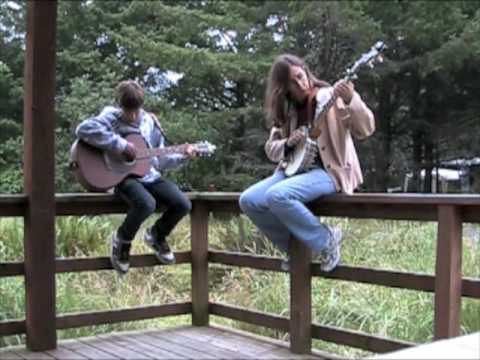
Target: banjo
(305, 152)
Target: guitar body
(98, 170)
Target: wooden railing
(447, 284)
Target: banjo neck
(369, 58)
(313, 130)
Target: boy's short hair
(130, 95)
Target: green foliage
(222, 51)
(424, 99)
(397, 246)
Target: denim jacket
(107, 130)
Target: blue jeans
(277, 206)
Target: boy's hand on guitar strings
(190, 151)
(130, 152)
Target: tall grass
(395, 245)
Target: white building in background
(457, 176)
(449, 180)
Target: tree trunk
(427, 185)
(384, 159)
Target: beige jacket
(335, 142)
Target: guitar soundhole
(118, 164)
(129, 163)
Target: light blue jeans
(277, 206)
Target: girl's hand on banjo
(297, 136)
(344, 90)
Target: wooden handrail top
(367, 198)
(357, 198)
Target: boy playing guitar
(107, 132)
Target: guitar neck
(148, 153)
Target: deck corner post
(448, 273)
(300, 298)
(199, 244)
(39, 174)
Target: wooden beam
(115, 316)
(395, 279)
(199, 239)
(39, 174)
(104, 263)
(12, 327)
(12, 205)
(358, 339)
(253, 261)
(300, 298)
(448, 275)
(250, 316)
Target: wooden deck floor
(177, 343)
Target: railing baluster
(199, 239)
(39, 174)
(300, 298)
(448, 279)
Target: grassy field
(394, 245)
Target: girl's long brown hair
(277, 98)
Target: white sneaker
(120, 254)
(160, 248)
(330, 257)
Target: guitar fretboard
(148, 153)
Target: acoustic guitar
(98, 170)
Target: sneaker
(120, 254)
(331, 255)
(285, 264)
(160, 247)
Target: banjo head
(296, 158)
(302, 157)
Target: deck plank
(8, 355)
(109, 345)
(184, 342)
(30, 355)
(202, 334)
(180, 350)
(206, 347)
(87, 350)
(62, 353)
(242, 345)
(136, 343)
(279, 353)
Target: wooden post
(39, 174)
(300, 298)
(199, 239)
(448, 277)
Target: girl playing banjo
(294, 102)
